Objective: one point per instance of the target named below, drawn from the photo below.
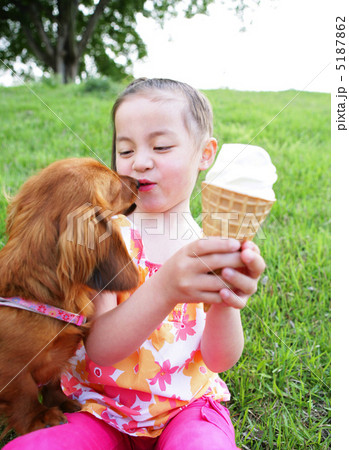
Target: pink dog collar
(45, 310)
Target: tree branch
(45, 55)
(35, 48)
(91, 26)
(40, 28)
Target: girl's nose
(142, 161)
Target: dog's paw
(70, 405)
(48, 418)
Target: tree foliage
(58, 34)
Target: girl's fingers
(212, 298)
(233, 299)
(206, 297)
(216, 261)
(213, 244)
(239, 282)
(254, 262)
(214, 253)
(212, 283)
(251, 245)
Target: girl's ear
(208, 154)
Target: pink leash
(45, 310)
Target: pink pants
(203, 425)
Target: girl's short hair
(198, 114)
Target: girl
(147, 374)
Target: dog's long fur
(47, 262)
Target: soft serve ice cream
(246, 169)
(237, 194)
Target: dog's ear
(116, 270)
(76, 261)
(92, 252)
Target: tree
(57, 34)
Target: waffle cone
(231, 214)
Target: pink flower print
(122, 410)
(221, 382)
(126, 397)
(138, 244)
(108, 418)
(172, 400)
(130, 427)
(185, 328)
(152, 267)
(176, 315)
(70, 386)
(98, 375)
(42, 308)
(189, 360)
(164, 376)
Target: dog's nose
(131, 182)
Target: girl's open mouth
(145, 185)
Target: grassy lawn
(280, 387)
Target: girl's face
(154, 146)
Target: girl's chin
(148, 203)
(148, 206)
(160, 209)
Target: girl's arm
(118, 331)
(223, 341)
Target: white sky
(287, 45)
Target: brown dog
(61, 247)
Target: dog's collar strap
(46, 310)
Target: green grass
(280, 387)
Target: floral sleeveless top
(141, 393)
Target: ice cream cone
(231, 214)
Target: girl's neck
(164, 233)
(163, 219)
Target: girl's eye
(125, 152)
(163, 148)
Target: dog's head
(62, 218)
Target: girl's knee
(37, 440)
(203, 437)
(82, 432)
(205, 425)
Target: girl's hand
(187, 275)
(242, 281)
